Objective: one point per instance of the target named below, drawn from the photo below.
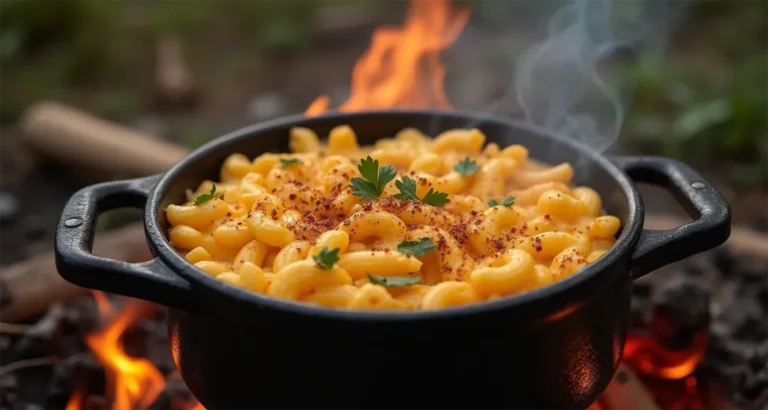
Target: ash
(727, 295)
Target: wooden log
(30, 287)
(81, 140)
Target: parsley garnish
(435, 198)
(466, 167)
(207, 197)
(407, 189)
(325, 258)
(285, 163)
(393, 281)
(508, 201)
(417, 248)
(374, 179)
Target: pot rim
(632, 227)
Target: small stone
(9, 206)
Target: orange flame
(134, 383)
(102, 304)
(402, 67)
(76, 401)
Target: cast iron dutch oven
(554, 347)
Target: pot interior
(589, 166)
(591, 169)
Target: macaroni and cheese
(408, 223)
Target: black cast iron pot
(554, 347)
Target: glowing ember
(649, 357)
(402, 67)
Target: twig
(14, 329)
(23, 364)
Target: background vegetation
(706, 104)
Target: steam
(564, 82)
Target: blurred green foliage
(706, 105)
(49, 47)
(46, 45)
(714, 111)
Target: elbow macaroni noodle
(271, 217)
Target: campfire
(697, 339)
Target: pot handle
(712, 217)
(152, 280)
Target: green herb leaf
(374, 179)
(435, 198)
(508, 201)
(206, 197)
(407, 189)
(369, 169)
(285, 163)
(393, 281)
(417, 248)
(221, 197)
(363, 189)
(466, 167)
(325, 259)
